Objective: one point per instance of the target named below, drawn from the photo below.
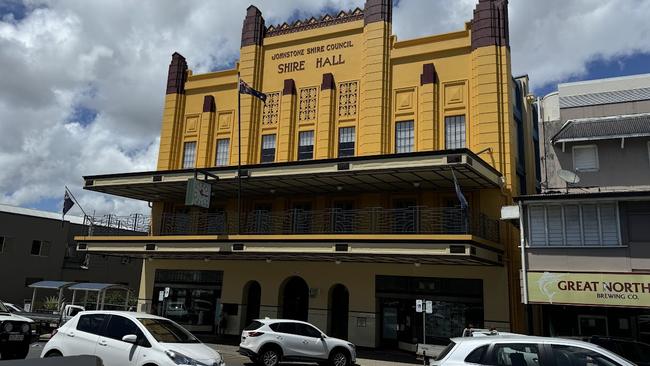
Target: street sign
(429, 307)
(167, 292)
(418, 306)
(161, 295)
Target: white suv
(269, 341)
(121, 338)
(520, 350)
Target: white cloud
(112, 57)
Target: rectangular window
(306, 145)
(585, 158)
(223, 149)
(404, 137)
(2, 244)
(455, 132)
(268, 149)
(346, 141)
(189, 155)
(584, 224)
(40, 248)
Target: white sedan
(520, 350)
(126, 338)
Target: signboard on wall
(198, 193)
(607, 289)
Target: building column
(373, 134)
(250, 71)
(173, 112)
(287, 124)
(325, 128)
(146, 294)
(428, 118)
(206, 141)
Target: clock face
(198, 193)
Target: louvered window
(585, 158)
(572, 225)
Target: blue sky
(86, 84)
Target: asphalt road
(231, 358)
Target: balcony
(373, 220)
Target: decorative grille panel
(348, 99)
(308, 102)
(271, 109)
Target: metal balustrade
(374, 220)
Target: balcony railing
(414, 220)
(374, 220)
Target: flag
(246, 89)
(67, 203)
(459, 193)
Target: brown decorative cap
(328, 82)
(177, 74)
(208, 104)
(378, 11)
(289, 87)
(428, 75)
(490, 24)
(253, 30)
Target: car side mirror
(130, 338)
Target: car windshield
(166, 331)
(3, 308)
(445, 351)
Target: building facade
(600, 130)
(586, 238)
(39, 246)
(348, 211)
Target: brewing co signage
(608, 289)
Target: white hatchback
(126, 338)
(521, 350)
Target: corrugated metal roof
(43, 214)
(50, 284)
(619, 96)
(585, 129)
(94, 286)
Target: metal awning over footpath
(61, 286)
(604, 128)
(425, 170)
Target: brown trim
(177, 74)
(328, 82)
(428, 75)
(313, 23)
(490, 24)
(289, 87)
(378, 11)
(252, 32)
(208, 104)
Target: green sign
(198, 193)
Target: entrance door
(252, 301)
(295, 299)
(389, 324)
(339, 304)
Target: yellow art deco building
(348, 209)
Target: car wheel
(339, 358)
(269, 357)
(54, 354)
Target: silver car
(520, 350)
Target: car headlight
(181, 359)
(8, 327)
(25, 328)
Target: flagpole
(238, 154)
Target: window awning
(604, 128)
(424, 170)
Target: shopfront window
(457, 303)
(193, 300)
